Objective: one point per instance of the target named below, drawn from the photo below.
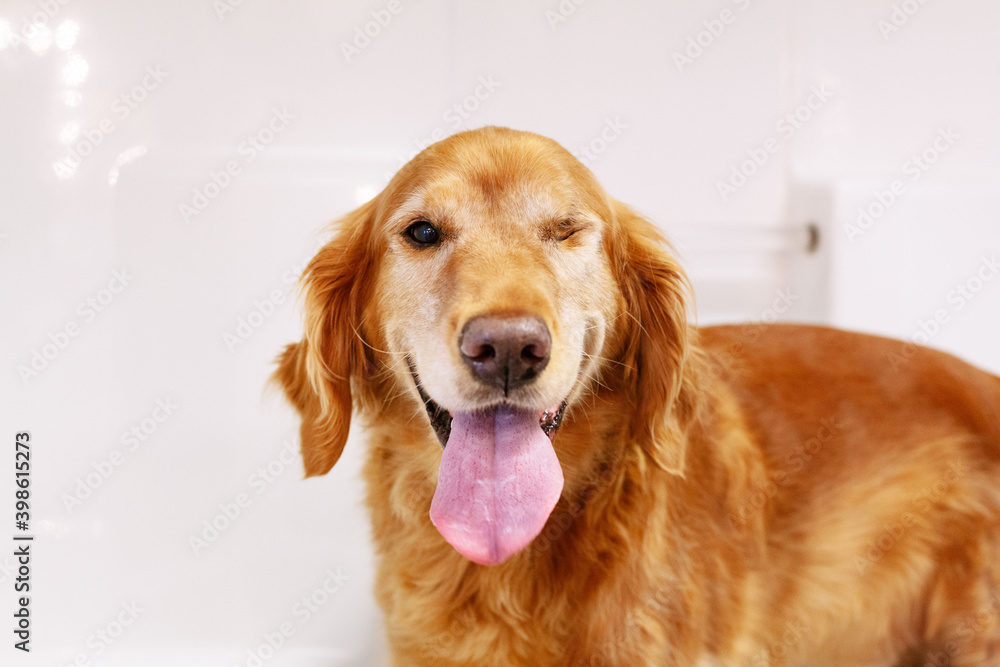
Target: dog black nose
(505, 351)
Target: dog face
(494, 285)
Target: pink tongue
(498, 483)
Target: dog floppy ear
(316, 373)
(655, 347)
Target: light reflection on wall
(123, 159)
(75, 71)
(66, 35)
(39, 38)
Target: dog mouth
(548, 420)
(499, 478)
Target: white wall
(912, 141)
(683, 129)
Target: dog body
(653, 494)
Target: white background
(561, 70)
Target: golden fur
(755, 495)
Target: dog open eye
(423, 233)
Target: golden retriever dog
(563, 471)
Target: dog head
(493, 285)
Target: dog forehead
(484, 195)
(496, 175)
